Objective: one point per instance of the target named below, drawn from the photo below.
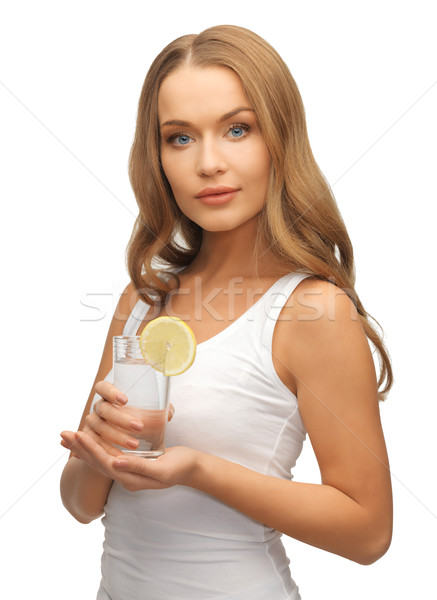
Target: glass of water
(147, 393)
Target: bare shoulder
(318, 328)
(128, 299)
(326, 330)
(318, 308)
(317, 300)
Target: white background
(70, 78)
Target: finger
(110, 393)
(134, 480)
(108, 446)
(91, 445)
(109, 432)
(68, 440)
(120, 417)
(93, 454)
(71, 445)
(139, 465)
(65, 444)
(72, 453)
(171, 411)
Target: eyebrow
(224, 117)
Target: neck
(227, 254)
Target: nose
(210, 158)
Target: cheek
(172, 170)
(176, 174)
(254, 159)
(261, 167)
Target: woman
(254, 256)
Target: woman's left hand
(175, 467)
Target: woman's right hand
(109, 424)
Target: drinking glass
(147, 393)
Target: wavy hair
(300, 223)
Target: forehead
(192, 92)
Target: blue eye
(179, 139)
(237, 129)
(184, 139)
(240, 129)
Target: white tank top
(180, 543)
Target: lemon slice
(168, 344)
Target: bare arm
(84, 489)
(350, 512)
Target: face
(210, 138)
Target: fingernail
(121, 398)
(132, 443)
(120, 463)
(136, 425)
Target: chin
(216, 227)
(217, 222)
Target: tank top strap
(276, 301)
(141, 308)
(136, 317)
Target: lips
(215, 191)
(216, 196)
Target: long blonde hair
(300, 223)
